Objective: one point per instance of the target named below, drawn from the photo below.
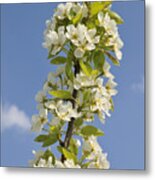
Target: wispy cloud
(138, 86)
(12, 116)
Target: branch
(71, 123)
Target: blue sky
(24, 68)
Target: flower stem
(71, 123)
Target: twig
(71, 123)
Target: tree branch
(71, 123)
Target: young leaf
(47, 154)
(112, 105)
(77, 18)
(72, 147)
(52, 138)
(54, 129)
(68, 70)
(91, 130)
(78, 122)
(96, 7)
(50, 55)
(59, 148)
(113, 59)
(116, 17)
(91, 24)
(85, 165)
(58, 60)
(61, 94)
(86, 68)
(41, 138)
(98, 60)
(68, 154)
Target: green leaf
(85, 165)
(98, 60)
(61, 94)
(47, 154)
(50, 55)
(91, 130)
(96, 7)
(91, 24)
(112, 105)
(77, 18)
(113, 59)
(86, 95)
(52, 138)
(54, 129)
(47, 140)
(68, 154)
(41, 138)
(59, 148)
(116, 17)
(68, 70)
(78, 122)
(72, 147)
(86, 68)
(58, 60)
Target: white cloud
(139, 86)
(12, 116)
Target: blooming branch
(81, 87)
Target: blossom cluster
(42, 162)
(84, 39)
(81, 87)
(91, 150)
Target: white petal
(55, 122)
(118, 54)
(90, 46)
(100, 17)
(79, 53)
(55, 50)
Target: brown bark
(71, 123)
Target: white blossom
(101, 162)
(63, 10)
(38, 121)
(100, 103)
(54, 41)
(43, 163)
(110, 86)
(37, 156)
(58, 164)
(91, 144)
(59, 70)
(40, 96)
(69, 163)
(55, 121)
(97, 158)
(88, 117)
(112, 30)
(51, 81)
(51, 105)
(90, 36)
(83, 38)
(83, 80)
(76, 34)
(80, 8)
(77, 142)
(106, 70)
(65, 111)
(50, 24)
